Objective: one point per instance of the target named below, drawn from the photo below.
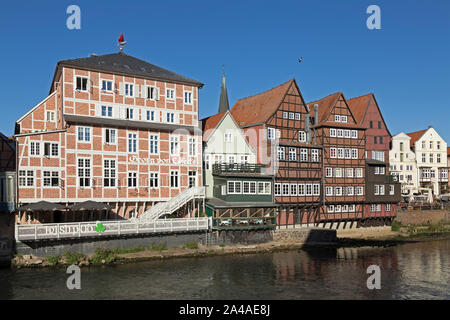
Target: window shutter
(157, 93)
(136, 91)
(121, 88)
(143, 93)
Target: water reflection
(410, 271)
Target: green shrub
(53, 260)
(396, 226)
(73, 257)
(103, 254)
(190, 245)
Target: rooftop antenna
(122, 42)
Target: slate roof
(259, 108)
(128, 65)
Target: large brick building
(383, 192)
(113, 129)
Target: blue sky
(406, 63)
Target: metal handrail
(120, 227)
(218, 168)
(165, 208)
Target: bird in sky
(300, 59)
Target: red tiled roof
(210, 123)
(359, 105)
(448, 152)
(325, 106)
(258, 108)
(416, 136)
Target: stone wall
(88, 245)
(308, 236)
(422, 216)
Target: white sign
(172, 160)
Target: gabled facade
(343, 142)
(113, 129)
(431, 152)
(239, 190)
(382, 191)
(277, 124)
(224, 143)
(403, 165)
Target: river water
(408, 271)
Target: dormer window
(344, 119)
(337, 118)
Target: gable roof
(121, 63)
(325, 106)
(211, 123)
(359, 106)
(416, 136)
(260, 107)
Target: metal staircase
(169, 207)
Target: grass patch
(190, 245)
(157, 247)
(103, 255)
(130, 250)
(52, 260)
(73, 257)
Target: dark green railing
(219, 168)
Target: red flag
(121, 38)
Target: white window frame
(106, 90)
(76, 83)
(129, 90)
(110, 142)
(86, 178)
(333, 133)
(49, 178)
(84, 140)
(36, 147)
(172, 95)
(52, 117)
(153, 144)
(110, 173)
(189, 98)
(132, 148)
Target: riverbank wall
(416, 217)
(6, 238)
(87, 246)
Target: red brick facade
(89, 127)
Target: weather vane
(122, 42)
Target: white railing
(169, 207)
(111, 228)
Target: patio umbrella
(41, 206)
(90, 206)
